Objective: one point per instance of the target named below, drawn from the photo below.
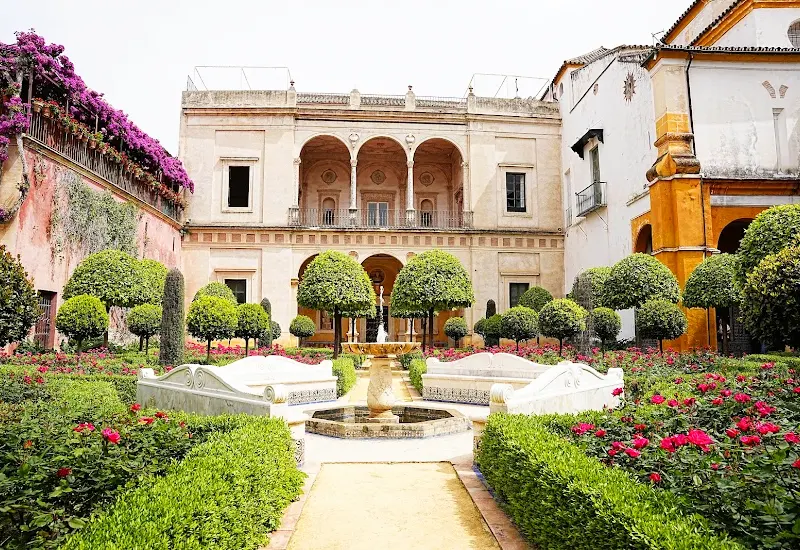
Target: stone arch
(644, 240)
(366, 140)
(313, 137)
(429, 138)
(304, 266)
(731, 235)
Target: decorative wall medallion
(630, 87)
(378, 177)
(329, 176)
(426, 178)
(377, 276)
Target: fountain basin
(414, 422)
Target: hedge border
(416, 369)
(345, 372)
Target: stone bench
(469, 380)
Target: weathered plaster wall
(765, 27)
(709, 12)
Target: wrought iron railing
(378, 219)
(49, 133)
(591, 198)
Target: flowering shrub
(727, 446)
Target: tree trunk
(517, 346)
(146, 347)
(78, 354)
(424, 324)
(208, 352)
(560, 347)
(141, 341)
(246, 346)
(337, 332)
(105, 339)
(430, 328)
(661, 346)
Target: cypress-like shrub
(172, 332)
(491, 308)
(493, 330)
(265, 339)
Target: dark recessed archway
(731, 236)
(644, 241)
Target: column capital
(410, 164)
(297, 161)
(353, 163)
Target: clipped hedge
(415, 371)
(561, 498)
(345, 371)
(84, 401)
(228, 493)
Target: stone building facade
(281, 176)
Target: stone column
(353, 164)
(466, 207)
(410, 213)
(296, 190)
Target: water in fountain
(381, 338)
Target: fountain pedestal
(380, 395)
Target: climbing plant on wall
(85, 221)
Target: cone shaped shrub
(170, 351)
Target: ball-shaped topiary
(588, 287)
(561, 319)
(110, 275)
(212, 318)
(18, 302)
(253, 321)
(711, 284)
(302, 327)
(606, 324)
(772, 230)
(152, 275)
(519, 323)
(82, 317)
(218, 290)
(493, 329)
(144, 321)
(276, 330)
(171, 338)
(660, 319)
(636, 279)
(535, 298)
(480, 327)
(771, 299)
(456, 328)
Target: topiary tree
(588, 287)
(398, 313)
(253, 321)
(18, 302)
(771, 299)
(519, 323)
(712, 284)
(772, 230)
(660, 319)
(561, 319)
(493, 329)
(171, 339)
(266, 337)
(606, 324)
(535, 298)
(456, 328)
(480, 328)
(82, 317)
(336, 283)
(491, 309)
(212, 318)
(302, 327)
(638, 278)
(276, 330)
(432, 281)
(152, 275)
(218, 290)
(144, 321)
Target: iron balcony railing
(591, 198)
(378, 219)
(54, 136)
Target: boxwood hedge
(345, 371)
(561, 498)
(416, 369)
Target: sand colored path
(401, 506)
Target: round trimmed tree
(493, 330)
(771, 299)
(171, 338)
(82, 317)
(456, 328)
(561, 319)
(606, 324)
(112, 276)
(636, 279)
(217, 290)
(18, 302)
(432, 281)
(144, 321)
(661, 320)
(535, 298)
(519, 323)
(336, 283)
(302, 327)
(772, 230)
(152, 275)
(588, 287)
(212, 318)
(712, 284)
(252, 322)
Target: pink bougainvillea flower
(765, 428)
(63, 472)
(136, 407)
(111, 436)
(600, 433)
(657, 399)
(617, 391)
(633, 453)
(750, 440)
(640, 442)
(699, 438)
(792, 437)
(655, 477)
(730, 432)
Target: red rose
(730, 432)
(699, 438)
(640, 427)
(600, 433)
(617, 391)
(725, 393)
(657, 399)
(750, 440)
(618, 445)
(714, 466)
(672, 402)
(689, 401)
(111, 436)
(668, 445)
(612, 452)
(717, 401)
(64, 472)
(136, 407)
(741, 398)
(655, 477)
(640, 442)
(160, 414)
(796, 390)
(765, 428)
(744, 424)
(791, 437)
(680, 440)
(146, 420)
(633, 453)
(796, 463)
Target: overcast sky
(140, 53)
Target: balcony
(52, 135)
(591, 198)
(380, 219)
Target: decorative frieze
(471, 396)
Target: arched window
(328, 212)
(426, 213)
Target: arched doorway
(732, 234)
(382, 270)
(644, 240)
(324, 195)
(728, 325)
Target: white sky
(139, 53)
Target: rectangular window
(378, 214)
(515, 291)
(239, 289)
(515, 192)
(238, 186)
